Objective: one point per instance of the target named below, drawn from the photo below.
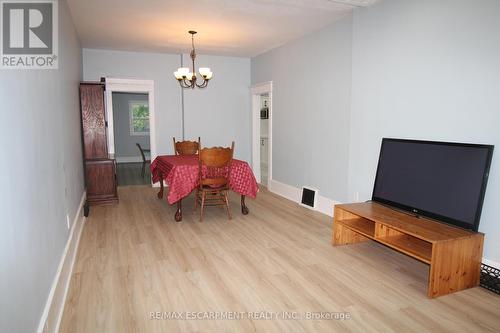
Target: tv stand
(454, 254)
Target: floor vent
(309, 197)
(490, 278)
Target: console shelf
(360, 225)
(410, 245)
(454, 254)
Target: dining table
(181, 173)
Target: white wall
(220, 113)
(428, 70)
(125, 144)
(421, 69)
(42, 178)
(218, 120)
(311, 96)
(148, 66)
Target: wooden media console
(454, 254)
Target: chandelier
(187, 78)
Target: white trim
(256, 133)
(262, 88)
(491, 263)
(54, 307)
(109, 116)
(287, 191)
(131, 86)
(129, 159)
(324, 205)
(257, 90)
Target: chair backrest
(186, 147)
(142, 152)
(214, 165)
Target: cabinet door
(101, 180)
(93, 121)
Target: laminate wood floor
(134, 259)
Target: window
(139, 117)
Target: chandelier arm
(184, 84)
(203, 84)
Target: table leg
(244, 208)
(160, 194)
(178, 213)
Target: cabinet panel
(93, 121)
(101, 181)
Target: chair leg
(227, 204)
(143, 169)
(202, 205)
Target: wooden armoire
(100, 167)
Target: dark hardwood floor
(130, 174)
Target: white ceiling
(225, 27)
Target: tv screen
(441, 180)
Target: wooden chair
(213, 184)
(186, 147)
(144, 160)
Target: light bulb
(178, 75)
(209, 76)
(204, 71)
(183, 71)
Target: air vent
(309, 197)
(490, 278)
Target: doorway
(132, 140)
(131, 128)
(262, 115)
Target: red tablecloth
(181, 175)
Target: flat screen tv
(441, 180)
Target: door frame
(257, 90)
(130, 86)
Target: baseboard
(324, 204)
(52, 314)
(284, 190)
(491, 263)
(129, 159)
